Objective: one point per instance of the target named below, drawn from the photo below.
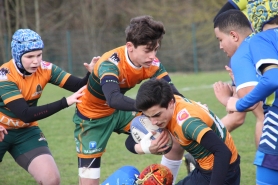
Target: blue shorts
(266, 176)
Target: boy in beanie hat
(22, 80)
(24, 41)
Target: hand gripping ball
(155, 174)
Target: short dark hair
(144, 30)
(232, 20)
(154, 92)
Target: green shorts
(91, 136)
(20, 141)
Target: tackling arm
(222, 156)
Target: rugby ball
(141, 126)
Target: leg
(266, 176)
(190, 162)
(31, 152)
(41, 165)
(89, 171)
(196, 177)
(44, 170)
(259, 113)
(173, 158)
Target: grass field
(58, 130)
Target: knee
(55, 180)
(50, 179)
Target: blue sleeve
(266, 86)
(243, 68)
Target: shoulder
(268, 36)
(8, 71)
(47, 65)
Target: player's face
(32, 60)
(226, 42)
(160, 116)
(141, 56)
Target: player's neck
(269, 26)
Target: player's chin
(161, 125)
(32, 70)
(147, 64)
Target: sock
(173, 165)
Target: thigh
(233, 175)
(44, 170)
(91, 136)
(196, 177)
(26, 139)
(25, 159)
(124, 118)
(7, 143)
(264, 176)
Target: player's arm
(266, 86)
(113, 95)
(152, 146)
(20, 108)
(74, 83)
(27, 114)
(161, 73)
(222, 156)
(193, 129)
(174, 89)
(244, 91)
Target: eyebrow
(157, 114)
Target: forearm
(29, 114)
(116, 99)
(132, 146)
(222, 157)
(74, 83)
(263, 89)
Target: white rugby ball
(141, 126)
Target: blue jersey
(242, 60)
(264, 50)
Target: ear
(235, 36)
(171, 104)
(129, 46)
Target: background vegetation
(58, 130)
(75, 31)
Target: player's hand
(160, 144)
(149, 146)
(3, 131)
(230, 72)
(223, 91)
(74, 97)
(231, 105)
(90, 67)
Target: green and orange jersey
(13, 86)
(117, 64)
(190, 122)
